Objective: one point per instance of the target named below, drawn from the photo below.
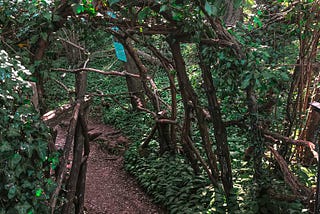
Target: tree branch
(111, 73)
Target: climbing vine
(24, 158)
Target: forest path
(109, 188)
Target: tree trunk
(75, 170)
(78, 169)
(310, 130)
(190, 102)
(134, 85)
(153, 96)
(81, 185)
(39, 51)
(220, 131)
(255, 131)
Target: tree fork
(190, 100)
(164, 134)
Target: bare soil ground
(109, 188)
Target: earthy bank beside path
(109, 189)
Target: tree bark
(164, 135)
(63, 162)
(134, 85)
(220, 132)
(39, 51)
(232, 15)
(75, 170)
(190, 103)
(78, 169)
(255, 131)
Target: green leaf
(12, 192)
(144, 14)
(42, 152)
(177, 16)
(14, 160)
(246, 82)
(211, 9)
(44, 35)
(5, 147)
(79, 8)
(257, 21)
(237, 3)
(38, 192)
(13, 132)
(163, 8)
(23, 208)
(47, 16)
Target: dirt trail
(109, 189)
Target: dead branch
(80, 189)
(85, 131)
(109, 73)
(73, 44)
(202, 161)
(119, 104)
(281, 197)
(166, 121)
(69, 91)
(299, 189)
(239, 122)
(51, 115)
(275, 137)
(9, 46)
(289, 140)
(147, 110)
(63, 164)
(63, 86)
(101, 94)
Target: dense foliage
(215, 94)
(24, 138)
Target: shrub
(23, 149)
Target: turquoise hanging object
(120, 52)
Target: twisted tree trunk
(220, 132)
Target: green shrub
(23, 149)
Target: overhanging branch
(109, 73)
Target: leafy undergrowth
(171, 181)
(24, 160)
